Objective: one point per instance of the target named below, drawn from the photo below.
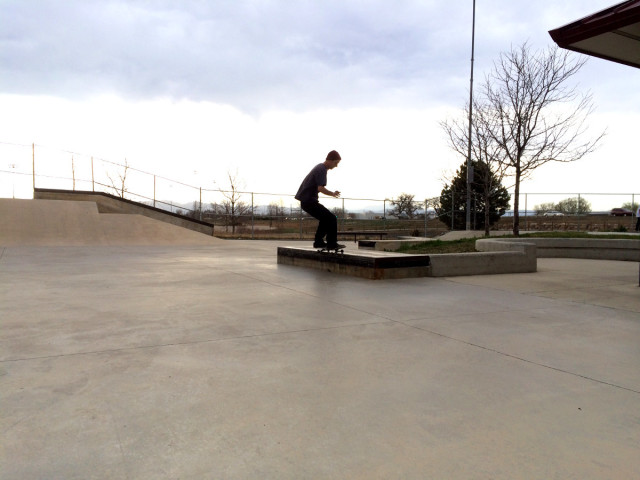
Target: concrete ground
(197, 362)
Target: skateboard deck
(335, 251)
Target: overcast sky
(265, 88)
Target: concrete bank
(62, 222)
(108, 203)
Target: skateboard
(335, 251)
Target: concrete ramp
(63, 222)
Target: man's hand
(328, 192)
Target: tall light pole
(12, 166)
(469, 167)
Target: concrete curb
(496, 257)
(587, 248)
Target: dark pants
(328, 222)
(638, 225)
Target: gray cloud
(252, 54)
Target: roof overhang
(612, 34)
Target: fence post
(426, 205)
(384, 215)
(154, 191)
(300, 222)
(200, 203)
(93, 180)
(578, 220)
(252, 215)
(526, 214)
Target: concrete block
(371, 265)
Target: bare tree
(339, 212)
(119, 185)
(535, 116)
(404, 205)
(485, 153)
(574, 206)
(232, 208)
(275, 211)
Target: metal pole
(93, 180)
(154, 191)
(300, 222)
(33, 166)
(252, 215)
(384, 214)
(475, 210)
(631, 227)
(469, 172)
(200, 203)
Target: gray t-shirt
(308, 191)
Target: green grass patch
(463, 245)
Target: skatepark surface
(148, 354)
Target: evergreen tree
(489, 199)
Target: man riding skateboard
(315, 182)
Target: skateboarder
(314, 182)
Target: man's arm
(322, 189)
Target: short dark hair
(333, 155)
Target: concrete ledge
(371, 265)
(499, 257)
(494, 256)
(587, 248)
(108, 203)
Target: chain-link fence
(273, 215)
